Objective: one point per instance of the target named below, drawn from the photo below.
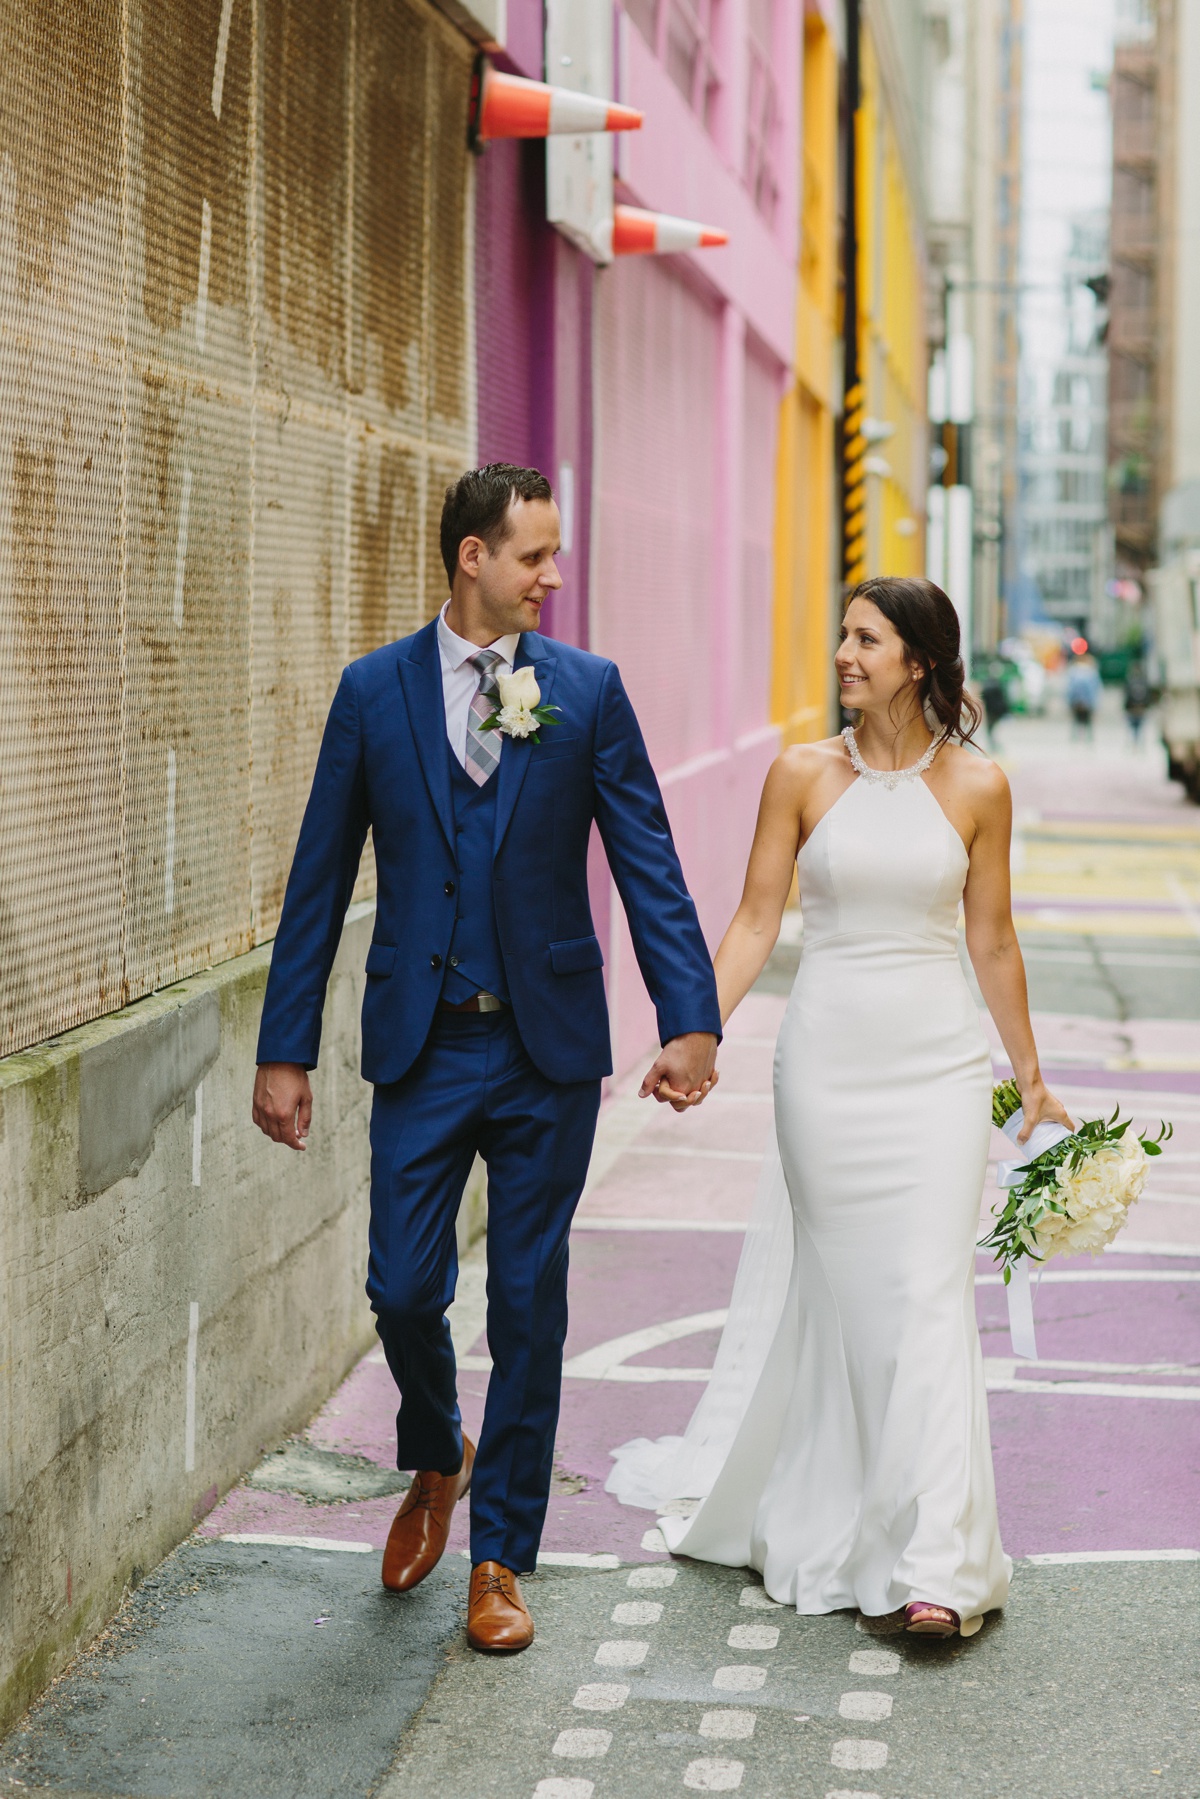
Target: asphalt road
(276, 1669)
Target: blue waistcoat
(475, 961)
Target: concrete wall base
(176, 1293)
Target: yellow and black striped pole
(854, 444)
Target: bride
(842, 1445)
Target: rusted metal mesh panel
(233, 383)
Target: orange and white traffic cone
(633, 232)
(510, 106)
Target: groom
(485, 1027)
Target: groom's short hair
(477, 505)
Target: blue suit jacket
(385, 764)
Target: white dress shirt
(460, 681)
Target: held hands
(685, 1072)
(283, 1103)
(1040, 1107)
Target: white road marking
(574, 1558)
(846, 1793)
(652, 1577)
(582, 1745)
(710, 1775)
(637, 1611)
(270, 1540)
(600, 1696)
(189, 1403)
(758, 1600)
(1092, 1389)
(605, 1361)
(753, 1636)
(1140, 1248)
(865, 1708)
(727, 1724)
(169, 845)
(564, 1789)
(197, 1133)
(181, 544)
(1070, 1557)
(874, 1661)
(858, 1752)
(1002, 1367)
(654, 1541)
(202, 278)
(740, 1680)
(1072, 1277)
(619, 1654)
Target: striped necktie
(483, 747)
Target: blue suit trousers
(474, 1089)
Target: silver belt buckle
(489, 1003)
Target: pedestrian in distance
(479, 753)
(995, 701)
(842, 1444)
(1083, 694)
(1138, 698)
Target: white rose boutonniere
(520, 712)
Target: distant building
(1135, 297)
(1063, 459)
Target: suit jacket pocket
(551, 745)
(576, 955)
(381, 958)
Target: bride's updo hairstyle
(924, 619)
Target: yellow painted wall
(806, 528)
(892, 343)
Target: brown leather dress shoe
(417, 1539)
(497, 1616)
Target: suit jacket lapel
(421, 674)
(515, 757)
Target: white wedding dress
(841, 1447)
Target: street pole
(853, 443)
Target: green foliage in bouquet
(1077, 1202)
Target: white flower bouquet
(1073, 1192)
(520, 712)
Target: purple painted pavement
(1074, 1472)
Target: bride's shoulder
(980, 780)
(801, 764)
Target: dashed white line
(865, 1708)
(272, 1541)
(654, 1541)
(757, 1599)
(218, 86)
(854, 1753)
(1069, 1557)
(564, 1789)
(619, 1654)
(652, 1577)
(202, 277)
(842, 1793)
(637, 1611)
(753, 1636)
(711, 1775)
(582, 1745)
(727, 1724)
(874, 1661)
(600, 1696)
(740, 1679)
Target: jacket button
(454, 961)
(449, 887)
(435, 961)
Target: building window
(644, 14)
(690, 52)
(762, 110)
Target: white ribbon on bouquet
(1011, 1174)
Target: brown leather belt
(478, 1002)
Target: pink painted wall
(692, 355)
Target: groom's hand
(685, 1072)
(283, 1102)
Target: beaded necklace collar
(889, 777)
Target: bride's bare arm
(992, 941)
(755, 925)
